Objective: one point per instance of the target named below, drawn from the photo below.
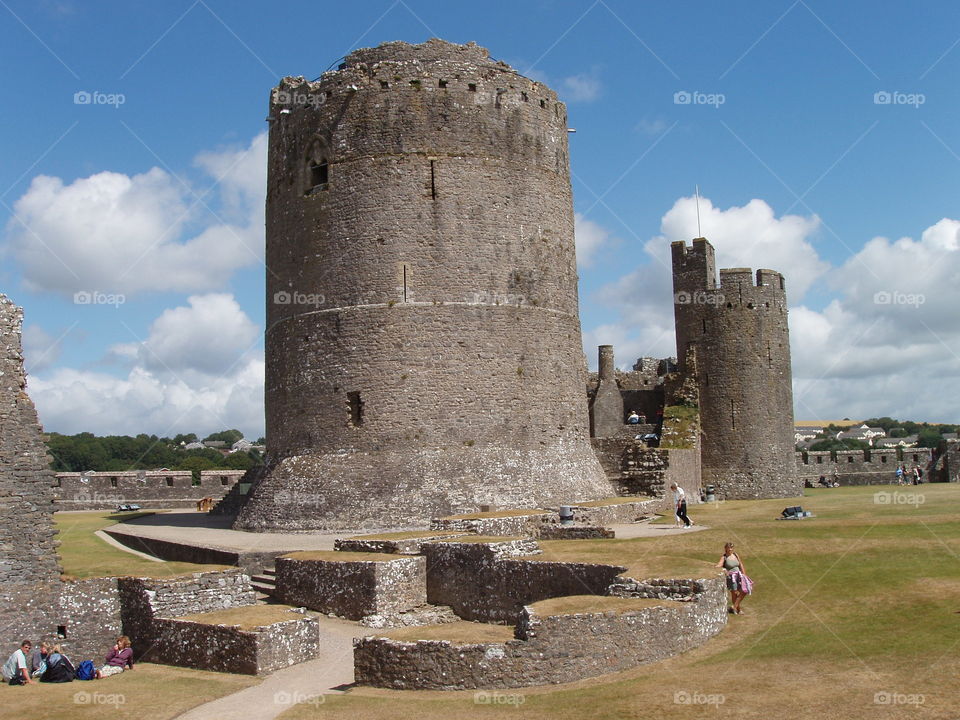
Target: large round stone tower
(742, 345)
(423, 341)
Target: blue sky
(823, 137)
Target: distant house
(194, 446)
(241, 445)
(949, 436)
(801, 434)
(863, 433)
(907, 442)
(217, 444)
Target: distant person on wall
(899, 474)
(119, 658)
(633, 418)
(680, 505)
(916, 474)
(738, 583)
(16, 670)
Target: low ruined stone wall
(353, 587)
(227, 648)
(488, 583)
(491, 524)
(860, 467)
(547, 650)
(392, 546)
(574, 532)
(147, 488)
(252, 563)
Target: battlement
(694, 266)
(741, 287)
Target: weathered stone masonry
(421, 196)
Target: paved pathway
(638, 530)
(304, 683)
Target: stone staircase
(265, 584)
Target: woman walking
(738, 583)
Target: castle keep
(423, 339)
(738, 333)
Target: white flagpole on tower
(698, 211)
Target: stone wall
(945, 466)
(352, 585)
(636, 469)
(739, 329)
(251, 562)
(484, 581)
(549, 649)
(423, 345)
(227, 648)
(90, 617)
(147, 488)
(861, 467)
(29, 569)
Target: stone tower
(742, 348)
(423, 340)
(29, 570)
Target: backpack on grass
(86, 671)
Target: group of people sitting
(49, 664)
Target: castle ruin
(423, 338)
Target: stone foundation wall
(491, 524)
(352, 588)
(548, 650)
(226, 648)
(482, 582)
(861, 467)
(396, 546)
(252, 563)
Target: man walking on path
(680, 505)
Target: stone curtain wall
(423, 339)
(150, 488)
(29, 570)
(352, 587)
(861, 467)
(636, 469)
(739, 329)
(548, 650)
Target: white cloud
(196, 372)
(40, 349)
(582, 87)
(116, 233)
(590, 238)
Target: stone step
(263, 588)
(270, 571)
(263, 580)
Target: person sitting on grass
(16, 670)
(119, 658)
(38, 659)
(59, 668)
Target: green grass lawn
(84, 555)
(855, 614)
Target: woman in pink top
(118, 659)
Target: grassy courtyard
(856, 614)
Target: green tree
(239, 461)
(846, 444)
(228, 436)
(196, 464)
(928, 437)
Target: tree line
(928, 435)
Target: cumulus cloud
(590, 239)
(40, 349)
(197, 371)
(582, 87)
(118, 233)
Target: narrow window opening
(850, 459)
(472, 87)
(916, 458)
(883, 459)
(113, 482)
(769, 357)
(319, 173)
(704, 325)
(442, 83)
(59, 482)
(355, 405)
(62, 631)
(405, 272)
(819, 460)
(524, 97)
(433, 180)
(733, 416)
(384, 84)
(543, 103)
(169, 482)
(223, 480)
